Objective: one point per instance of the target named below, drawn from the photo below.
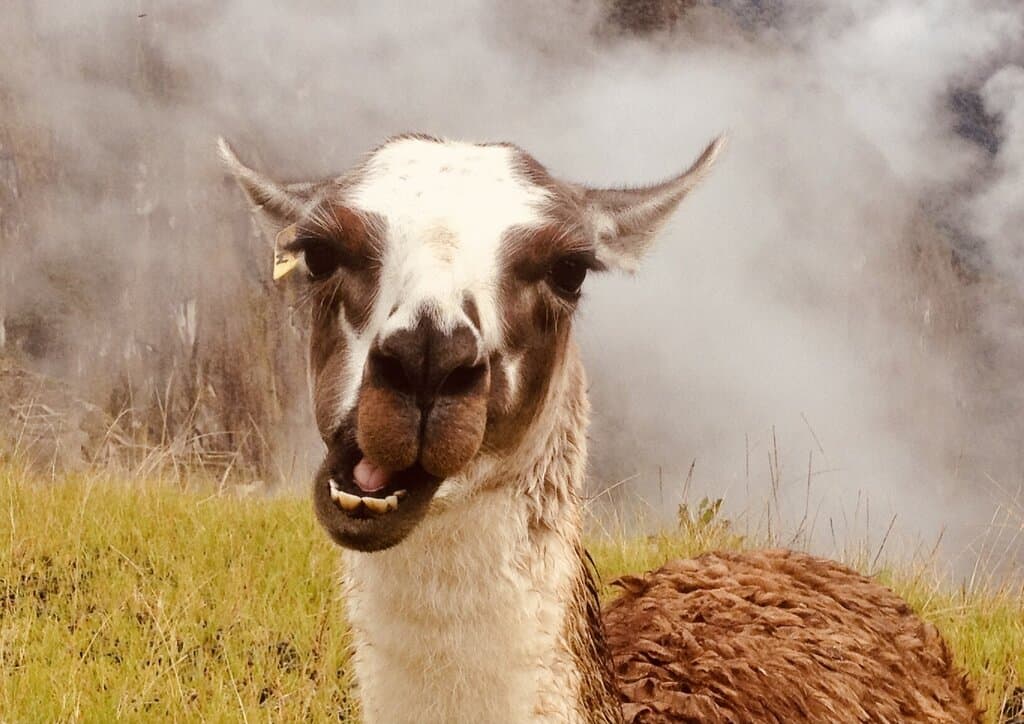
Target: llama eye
(566, 276)
(322, 258)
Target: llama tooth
(392, 501)
(376, 505)
(346, 500)
(399, 494)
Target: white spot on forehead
(447, 205)
(474, 191)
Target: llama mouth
(362, 489)
(365, 509)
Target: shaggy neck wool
(487, 611)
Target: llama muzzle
(423, 401)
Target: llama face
(443, 278)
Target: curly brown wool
(777, 636)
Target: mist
(841, 304)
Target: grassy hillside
(147, 601)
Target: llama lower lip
(373, 521)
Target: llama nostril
(462, 380)
(425, 362)
(390, 371)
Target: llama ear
(277, 205)
(626, 220)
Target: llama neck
(487, 612)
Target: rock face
(135, 275)
(45, 423)
(647, 16)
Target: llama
(443, 277)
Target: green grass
(150, 602)
(147, 602)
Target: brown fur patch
(327, 353)
(388, 427)
(353, 233)
(453, 433)
(357, 292)
(538, 348)
(598, 699)
(529, 253)
(358, 237)
(328, 365)
(500, 395)
(424, 397)
(777, 636)
(349, 292)
(536, 323)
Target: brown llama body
(777, 636)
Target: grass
(154, 602)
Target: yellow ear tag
(284, 260)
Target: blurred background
(829, 335)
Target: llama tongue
(370, 477)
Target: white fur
(467, 635)
(358, 349)
(464, 621)
(512, 363)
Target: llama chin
(443, 278)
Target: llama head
(443, 278)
